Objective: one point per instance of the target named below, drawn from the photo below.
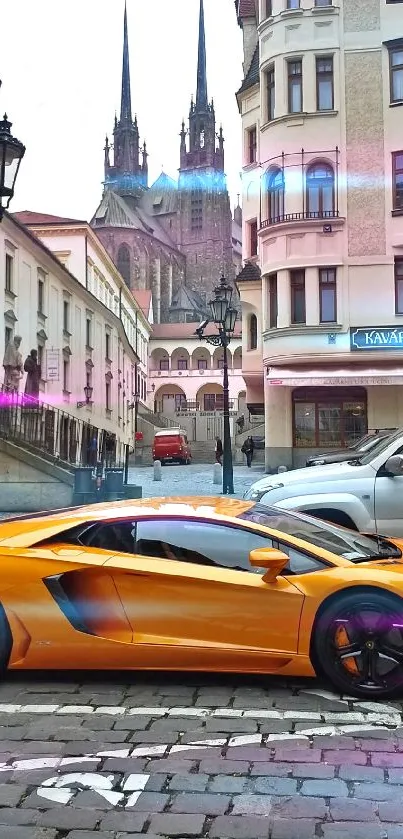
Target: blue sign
(376, 338)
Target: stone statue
(33, 370)
(12, 364)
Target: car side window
(118, 536)
(200, 543)
(299, 562)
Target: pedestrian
(248, 449)
(218, 450)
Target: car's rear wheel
(358, 644)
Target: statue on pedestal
(33, 370)
(13, 365)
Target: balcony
(209, 373)
(326, 215)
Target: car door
(191, 584)
(389, 501)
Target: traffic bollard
(217, 474)
(282, 469)
(157, 470)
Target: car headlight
(257, 494)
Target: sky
(61, 64)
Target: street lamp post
(11, 154)
(224, 315)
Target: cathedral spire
(201, 96)
(126, 104)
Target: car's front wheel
(358, 644)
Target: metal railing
(325, 215)
(55, 435)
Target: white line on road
(372, 713)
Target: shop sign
(356, 381)
(376, 338)
(52, 372)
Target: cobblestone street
(118, 756)
(191, 480)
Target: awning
(363, 377)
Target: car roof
(24, 531)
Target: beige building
(322, 290)
(64, 297)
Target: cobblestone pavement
(119, 757)
(196, 479)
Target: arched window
(253, 332)
(320, 191)
(124, 263)
(276, 196)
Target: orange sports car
(202, 584)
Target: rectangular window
(298, 307)
(295, 87)
(9, 272)
(213, 402)
(8, 334)
(164, 364)
(196, 210)
(397, 176)
(252, 145)
(396, 74)
(324, 83)
(271, 93)
(66, 375)
(88, 332)
(329, 421)
(107, 346)
(182, 364)
(399, 285)
(66, 316)
(108, 396)
(41, 301)
(292, 4)
(253, 238)
(202, 364)
(328, 295)
(268, 7)
(273, 301)
(323, 2)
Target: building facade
(322, 117)
(176, 237)
(85, 338)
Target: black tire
(6, 642)
(369, 626)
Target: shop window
(329, 418)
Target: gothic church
(174, 238)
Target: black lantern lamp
(11, 154)
(88, 391)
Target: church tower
(128, 176)
(204, 207)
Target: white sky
(61, 65)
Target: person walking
(248, 449)
(218, 450)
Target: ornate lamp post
(224, 315)
(88, 391)
(11, 154)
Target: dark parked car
(362, 446)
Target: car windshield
(381, 446)
(330, 537)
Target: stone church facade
(174, 238)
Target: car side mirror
(271, 559)
(395, 465)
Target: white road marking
(370, 712)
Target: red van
(171, 446)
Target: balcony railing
(232, 371)
(55, 435)
(305, 216)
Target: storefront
(329, 417)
